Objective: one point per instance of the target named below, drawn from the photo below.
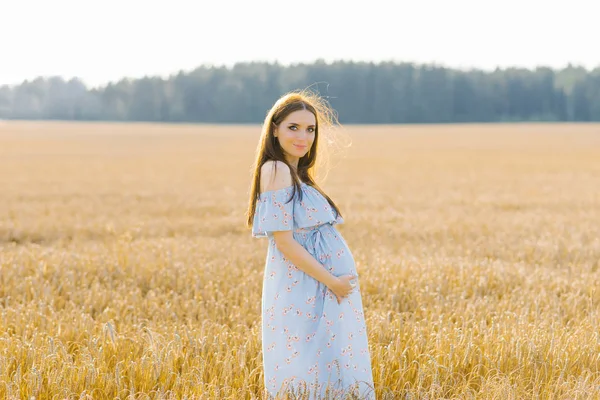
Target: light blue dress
(309, 341)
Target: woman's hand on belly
(342, 286)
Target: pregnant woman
(314, 338)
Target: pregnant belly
(326, 245)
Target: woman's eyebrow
(294, 123)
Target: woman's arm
(301, 258)
(289, 247)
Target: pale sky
(101, 41)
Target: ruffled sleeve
(314, 210)
(273, 212)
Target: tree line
(360, 92)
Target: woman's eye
(293, 127)
(311, 130)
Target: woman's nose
(303, 134)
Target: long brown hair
(269, 149)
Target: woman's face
(296, 134)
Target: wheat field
(127, 271)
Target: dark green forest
(360, 92)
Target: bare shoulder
(274, 175)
